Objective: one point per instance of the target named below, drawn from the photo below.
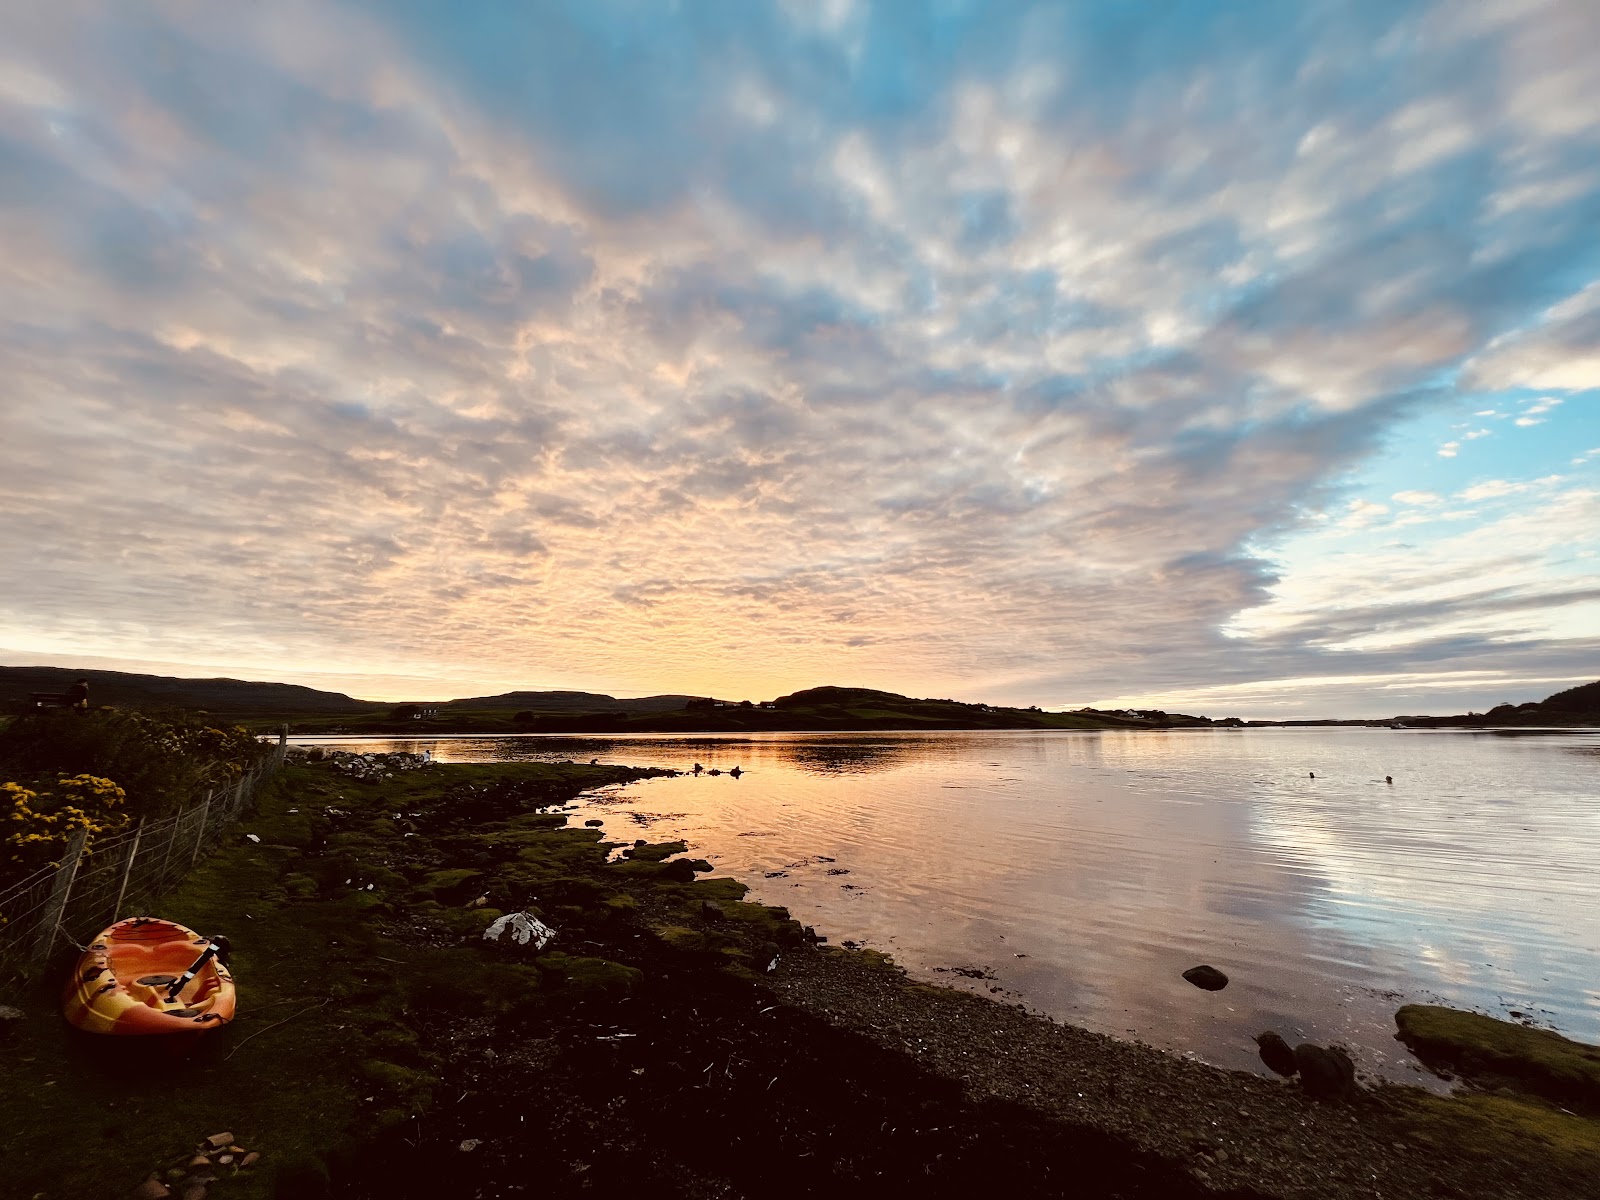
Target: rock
(7, 1013)
(471, 1144)
(198, 1162)
(524, 929)
(767, 956)
(250, 1160)
(175, 1174)
(225, 1159)
(151, 1189)
(218, 1140)
(1208, 978)
(594, 824)
(195, 1191)
(1326, 1072)
(1276, 1054)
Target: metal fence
(98, 882)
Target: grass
(333, 992)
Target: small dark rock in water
(594, 824)
(1326, 1072)
(1209, 978)
(1275, 1052)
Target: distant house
(413, 712)
(769, 704)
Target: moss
(878, 959)
(645, 852)
(590, 975)
(1498, 1052)
(395, 1079)
(619, 905)
(762, 920)
(450, 885)
(538, 821)
(467, 922)
(459, 981)
(396, 1041)
(1501, 1132)
(719, 891)
(300, 886)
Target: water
(1082, 872)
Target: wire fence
(98, 882)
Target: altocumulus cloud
(964, 349)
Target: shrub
(38, 824)
(161, 762)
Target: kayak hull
(122, 984)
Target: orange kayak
(145, 975)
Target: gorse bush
(38, 823)
(163, 762)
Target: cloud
(1418, 497)
(737, 349)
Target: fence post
(56, 906)
(127, 870)
(166, 858)
(198, 837)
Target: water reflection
(1085, 871)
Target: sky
(1240, 358)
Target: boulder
(1326, 1072)
(1276, 1054)
(1207, 978)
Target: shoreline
(648, 1046)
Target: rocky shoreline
(385, 1047)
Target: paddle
(206, 955)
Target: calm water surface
(1084, 871)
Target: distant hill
(127, 690)
(1576, 706)
(307, 710)
(572, 702)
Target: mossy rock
(590, 975)
(538, 821)
(645, 852)
(469, 921)
(880, 960)
(1499, 1052)
(450, 886)
(618, 906)
(301, 887)
(719, 891)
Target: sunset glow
(1244, 362)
